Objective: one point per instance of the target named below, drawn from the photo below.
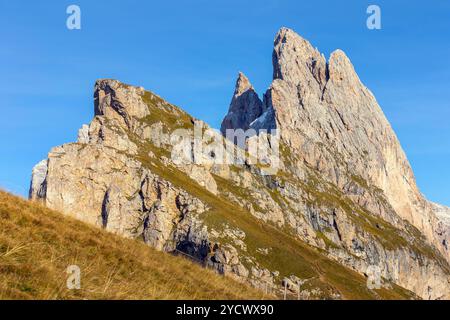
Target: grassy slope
(37, 245)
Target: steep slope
(37, 245)
(123, 178)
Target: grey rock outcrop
(38, 183)
(245, 106)
(83, 134)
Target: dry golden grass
(37, 245)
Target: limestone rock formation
(38, 184)
(343, 202)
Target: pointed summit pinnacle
(245, 106)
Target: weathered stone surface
(203, 178)
(115, 100)
(83, 134)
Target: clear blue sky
(190, 52)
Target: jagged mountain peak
(295, 63)
(242, 84)
(245, 106)
(287, 35)
(341, 70)
(295, 60)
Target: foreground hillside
(37, 245)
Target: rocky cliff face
(344, 200)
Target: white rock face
(38, 185)
(115, 100)
(442, 212)
(83, 134)
(443, 223)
